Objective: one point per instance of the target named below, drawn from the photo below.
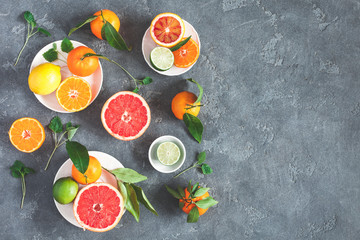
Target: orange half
(74, 94)
(27, 134)
(186, 55)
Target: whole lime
(65, 190)
(45, 78)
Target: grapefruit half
(167, 29)
(98, 207)
(126, 115)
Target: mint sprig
(205, 168)
(52, 54)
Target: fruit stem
(23, 47)
(125, 72)
(195, 164)
(47, 165)
(23, 189)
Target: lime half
(162, 58)
(168, 153)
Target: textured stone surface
(282, 119)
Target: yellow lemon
(45, 78)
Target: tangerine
(183, 102)
(97, 24)
(186, 55)
(80, 66)
(190, 203)
(91, 175)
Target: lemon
(45, 78)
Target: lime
(162, 58)
(65, 190)
(45, 78)
(168, 153)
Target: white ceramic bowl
(148, 44)
(95, 80)
(153, 156)
(106, 161)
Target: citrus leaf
(44, 31)
(128, 175)
(181, 204)
(201, 157)
(122, 190)
(30, 18)
(206, 203)
(88, 20)
(189, 187)
(180, 44)
(181, 191)
(51, 55)
(66, 45)
(143, 199)
(56, 125)
(193, 215)
(174, 193)
(195, 188)
(79, 155)
(201, 90)
(114, 38)
(194, 126)
(200, 192)
(132, 204)
(206, 169)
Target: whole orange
(189, 203)
(80, 66)
(91, 175)
(182, 101)
(97, 24)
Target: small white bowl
(156, 163)
(148, 44)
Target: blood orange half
(167, 29)
(126, 115)
(98, 207)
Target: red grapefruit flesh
(126, 115)
(167, 29)
(98, 207)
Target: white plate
(148, 44)
(153, 156)
(95, 80)
(106, 161)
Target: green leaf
(206, 169)
(181, 191)
(181, 204)
(30, 18)
(201, 157)
(114, 38)
(88, 20)
(16, 169)
(79, 155)
(200, 192)
(206, 203)
(28, 170)
(128, 175)
(136, 90)
(44, 31)
(194, 188)
(66, 45)
(145, 81)
(201, 90)
(194, 126)
(141, 197)
(189, 187)
(174, 193)
(54, 46)
(180, 44)
(51, 55)
(132, 204)
(193, 215)
(56, 125)
(122, 190)
(71, 130)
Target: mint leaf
(180, 44)
(56, 125)
(30, 18)
(43, 31)
(145, 81)
(128, 175)
(141, 197)
(79, 155)
(206, 169)
(201, 157)
(51, 55)
(136, 90)
(174, 193)
(206, 203)
(200, 192)
(88, 20)
(132, 204)
(66, 45)
(194, 126)
(193, 215)
(109, 33)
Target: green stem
(23, 47)
(186, 170)
(47, 165)
(125, 72)
(23, 189)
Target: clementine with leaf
(97, 24)
(91, 175)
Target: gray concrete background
(282, 119)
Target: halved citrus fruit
(74, 94)
(27, 134)
(98, 207)
(167, 29)
(186, 55)
(126, 115)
